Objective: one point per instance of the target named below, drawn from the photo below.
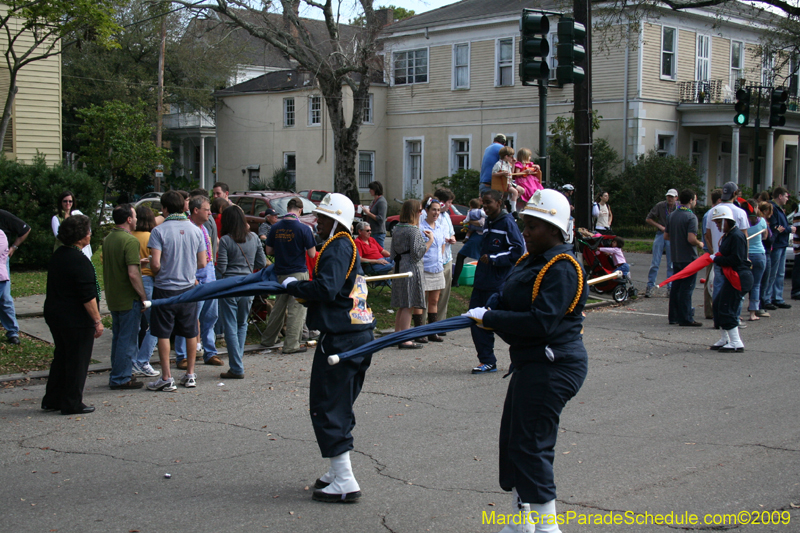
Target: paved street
(661, 425)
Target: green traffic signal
(570, 52)
(742, 107)
(534, 47)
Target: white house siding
(37, 106)
(250, 134)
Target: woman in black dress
(733, 255)
(71, 310)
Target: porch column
(202, 169)
(181, 157)
(735, 155)
(768, 162)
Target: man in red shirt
(373, 256)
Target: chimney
(384, 16)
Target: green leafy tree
(117, 144)
(639, 187)
(200, 57)
(561, 150)
(38, 29)
(464, 184)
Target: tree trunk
(345, 143)
(12, 92)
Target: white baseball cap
(672, 192)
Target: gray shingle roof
(468, 10)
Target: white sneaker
(165, 385)
(147, 370)
(136, 371)
(189, 380)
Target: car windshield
(279, 205)
(460, 209)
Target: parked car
(315, 196)
(458, 213)
(255, 204)
(153, 202)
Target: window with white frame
(288, 112)
(461, 66)
(510, 139)
(505, 63)
(366, 169)
(737, 63)
(552, 58)
(410, 67)
(290, 164)
(794, 75)
(368, 110)
(703, 58)
(767, 67)
(314, 110)
(669, 46)
(414, 154)
(460, 155)
(665, 145)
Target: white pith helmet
(338, 207)
(552, 207)
(722, 212)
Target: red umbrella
(699, 264)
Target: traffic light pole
(583, 126)
(757, 164)
(543, 128)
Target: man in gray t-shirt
(681, 233)
(178, 250)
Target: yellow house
(36, 113)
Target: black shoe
(769, 307)
(319, 484)
(13, 340)
(435, 338)
(48, 408)
(692, 324)
(781, 305)
(421, 340)
(132, 384)
(442, 334)
(82, 411)
(795, 296)
(350, 497)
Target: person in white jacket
(66, 208)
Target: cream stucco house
(451, 84)
(36, 114)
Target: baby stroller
(599, 264)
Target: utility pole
(583, 125)
(160, 109)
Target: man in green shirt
(124, 295)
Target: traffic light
(777, 107)
(742, 107)
(534, 47)
(569, 51)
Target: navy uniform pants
(536, 396)
(728, 302)
(334, 390)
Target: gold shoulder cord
(352, 261)
(540, 277)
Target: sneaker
(484, 369)
(769, 307)
(146, 370)
(189, 380)
(762, 313)
(166, 385)
(782, 305)
(648, 292)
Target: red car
(457, 215)
(313, 195)
(255, 203)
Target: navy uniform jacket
(530, 327)
(503, 243)
(733, 249)
(328, 295)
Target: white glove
(287, 281)
(476, 314)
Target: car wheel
(390, 227)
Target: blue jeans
(774, 289)
(233, 313)
(660, 247)
(374, 269)
(8, 315)
(124, 342)
(759, 264)
(149, 342)
(625, 268)
(207, 313)
(380, 238)
(484, 187)
(765, 279)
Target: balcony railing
(187, 120)
(705, 92)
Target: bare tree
(342, 56)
